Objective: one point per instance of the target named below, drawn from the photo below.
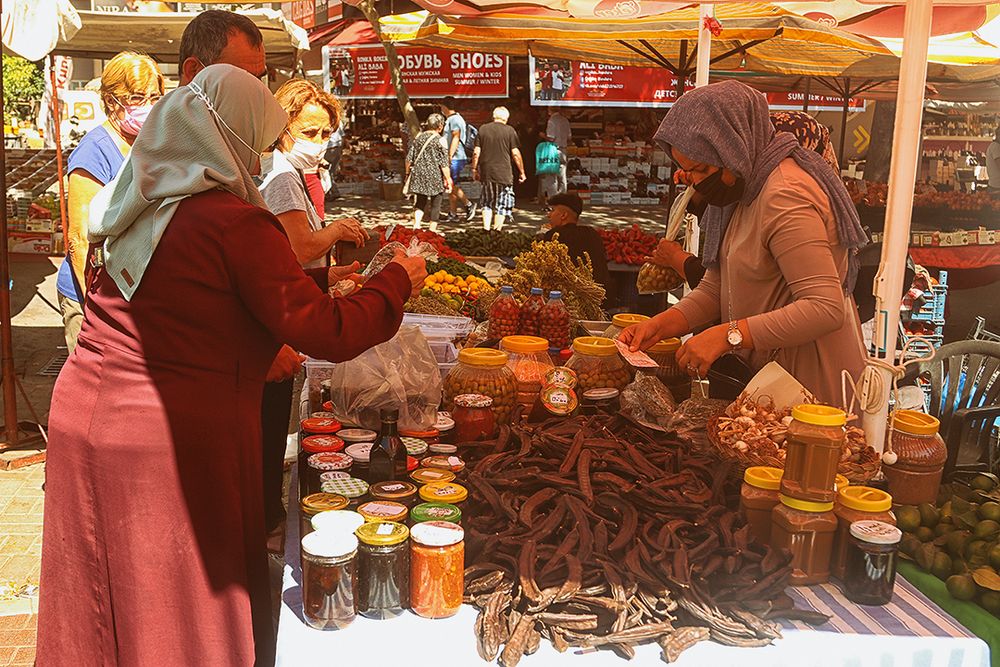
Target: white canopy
(31, 28)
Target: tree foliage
(23, 85)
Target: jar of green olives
(597, 364)
(482, 371)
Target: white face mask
(304, 154)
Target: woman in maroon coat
(154, 546)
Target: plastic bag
(401, 373)
(648, 401)
(654, 278)
(383, 257)
(694, 413)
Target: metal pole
(843, 118)
(805, 98)
(6, 333)
(59, 154)
(899, 207)
(706, 11)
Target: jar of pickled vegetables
(474, 419)
(505, 315)
(597, 364)
(437, 567)
(482, 371)
(528, 358)
(531, 312)
(329, 579)
(316, 503)
(668, 372)
(620, 321)
(554, 321)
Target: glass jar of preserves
(505, 315)
(482, 371)
(807, 529)
(352, 436)
(920, 457)
(415, 446)
(554, 321)
(442, 448)
(342, 521)
(317, 503)
(404, 493)
(352, 488)
(429, 436)
(437, 566)
(319, 426)
(319, 463)
(813, 446)
(436, 512)
(423, 476)
(376, 511)
(857, 503)
(314, 444)
(621, 321)
(383, 570)
(531, 313)
(529, 361)
(474, 420)
(758, 498)
(872, 555)
(329, 579)
(597, 364)
(452, 463)
(360, 453)
(668, 372)
(605, 401)
(449, 493)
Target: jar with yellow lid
(920, 457)
(315, 503)
(807, 529)
(813, 447)
(758, 498)
(528, 359)
(383, 589)
(423, 476)
(621, 321)
(482, 371)
(668, 372)
(597, 364)
(444, 492)
(857, 503)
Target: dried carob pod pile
(594, 532)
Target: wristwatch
(734, 336)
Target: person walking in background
(993, 163)
(428, 171)
(130, 85)
(496, 146)
(559, 132)
(456, 133)
(334, 151)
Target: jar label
(380, 509)
(876, 532)
(385, 529)
(334, 474)
(392, 487)
(454, 461)
(438, 512)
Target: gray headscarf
(206, 135)
(727, 125)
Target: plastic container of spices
(505, 314)
(314, 444)
(436, 512)
(813, 446)
(473, 415)
(404, 493)
(375, 511)
(807, 529)
(360, 453)
(597, 364)
(437, 565)
(352, 488)
(315, 504)
(343, 521)
(423, 476)
(920, 456)
(758, 498)
(600, 401)
(482, 371)
(528, 358)
(329, 579)
(553, 321)
(355, 435)
(444, 492)
(531, 313)
(857, 503)
(319, 426)
(872, 555)
(319, 463)
(622, 320)
(383, 570)
(669, 373)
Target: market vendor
(781, 237)
(154, 547)
(582, 240)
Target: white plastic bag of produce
(401, 373)
(384, 256)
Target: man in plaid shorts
(496, 146)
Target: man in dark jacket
(563, 218)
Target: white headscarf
(206, 135)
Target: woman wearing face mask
(781, 240)
(153, 549)
(130, 84)
(429, 171)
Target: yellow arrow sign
(862, 139)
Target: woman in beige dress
(781, 237)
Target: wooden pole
(6, 331)
(63, 217)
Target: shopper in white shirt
(558, 131)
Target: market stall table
(911, 630)
(968, 266)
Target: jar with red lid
(554, 321)
(505, 315)
(473, 415)
(319, 426)
(314, 444)
(857, 503)
(319, 463)
(920, 452)
(531, 312)
(430, 436)
(758, 498)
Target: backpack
(471, 134)
(547, 159)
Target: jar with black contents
(329, 579)
(872, 555)
(383, 569)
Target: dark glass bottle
(388, 457)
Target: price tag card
(637, 359)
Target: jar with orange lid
(319, 426)
(857, 503)
(920, 454)
(758, 498)
(621, 321)
(597, 364)
(813, 447)
(528, 358)
(668, 372)
(482, 371)
(315, 503)
(807, 529)
(430, 436)
(314, 444)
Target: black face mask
(717, 193)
